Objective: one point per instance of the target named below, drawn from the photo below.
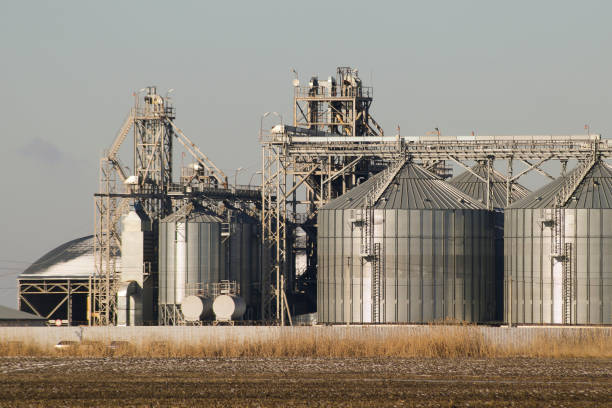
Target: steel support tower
(152, 185)
(339, 106)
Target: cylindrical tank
(243, 266)
(190, 255)
(422, 252)
(472, 183)
(196, 308)
(228, 307)
(559, 254)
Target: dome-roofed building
(474, 183)
(404, 247)
(56, 285)
(558, 245)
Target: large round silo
(242, 243)
(190, 256)
(405, 247)
(559, 251)
(474, 183)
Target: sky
(69, 68)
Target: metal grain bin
(558, 264)
(244, 266)
(190, 255)
(474, 183)
(405, 247)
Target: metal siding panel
(460, 262)
(390, 268)
(607, 277)
(595, 258)
(427, 266)
(357, 270)
(547, 282)
(402, 278)
(468, 281)
(536, 265)
(416, 301)
(339, 275)
(527, 261)
(582, 279)
(441, 219)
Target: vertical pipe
(69, 302)
(509, 183)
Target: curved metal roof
(412, 187)
(593, 191)
(73, 259)
(476, 188)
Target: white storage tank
(197, 308)
(228, 307)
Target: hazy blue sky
(68, 69)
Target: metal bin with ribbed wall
(190, 256)
(558, 264)
(405, 247)
(474, 183)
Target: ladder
(558, 233)
(376, 284)
(367, 231)
(568, 284)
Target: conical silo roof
(593, 190)
(470, 184)
(412, 187)
(196, 214)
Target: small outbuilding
(14, 317)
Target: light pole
(239, 169)
(265, 115)
(253, 175)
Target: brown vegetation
(456, 342)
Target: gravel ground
(312, 382)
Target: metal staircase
(123, 131)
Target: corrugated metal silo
(244, 266)
(190, 255)
(559, 251)
(474, 183)
(419, 251)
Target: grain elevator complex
(345, 225)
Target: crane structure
(334, 144)
(152, 186)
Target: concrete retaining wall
(48, 336)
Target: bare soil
(304, 382)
